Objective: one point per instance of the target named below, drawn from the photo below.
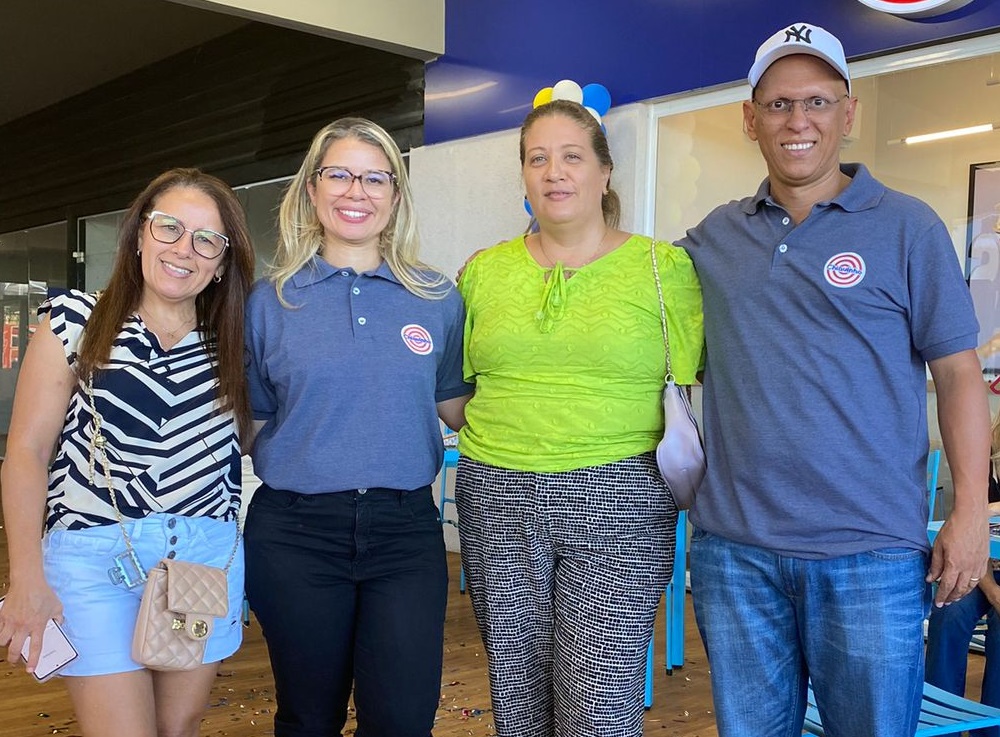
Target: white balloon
(597, 115)
(567, 89)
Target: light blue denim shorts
(99, 615)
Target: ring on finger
(974, 580)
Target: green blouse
(569, 371)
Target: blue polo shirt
(815, 408)
(348, 378)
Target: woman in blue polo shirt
(354, 352)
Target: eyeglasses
(374, 182)
(811, 106)
(168, 229)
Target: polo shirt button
(173, 540)
(344, 273)
(785, 221)
(356, 290)
(172, 523)
(362, 491)
(782, 248)
(362, 320)
(172, 554)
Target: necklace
(158, 325)
(570, 268)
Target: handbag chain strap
(99, 453)
(663, 311)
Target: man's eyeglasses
(812, 106)
(168, 229)
(375, 183)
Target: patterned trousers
(565, 571)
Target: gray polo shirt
(815, 409)
(348, 380)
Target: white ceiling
(53, 49)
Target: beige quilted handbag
(176, 615)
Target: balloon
(527, 208)
(567, 89)
(597, 115)
(597, 97)
(542, 97)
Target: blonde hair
(301, 233)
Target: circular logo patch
(845, 270)
(417, 339)
(915, 8)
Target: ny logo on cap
(801, 34)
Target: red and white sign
(915, 8)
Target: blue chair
(673, 602)
(933, 466)
(451, 456)
(940, 713)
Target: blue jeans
(948, 635)
(770, 623)
(350, 590)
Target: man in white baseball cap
(800, 38)
(826, 297)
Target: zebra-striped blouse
(169, 447)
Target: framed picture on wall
(983, 266)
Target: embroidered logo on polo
(417, 339)
(844, 270)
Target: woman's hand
(26, 610)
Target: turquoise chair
(933, 466)
(451, 456)
(940, 713)
(673, 602)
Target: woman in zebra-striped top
(157, 360)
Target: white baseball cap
(800, 38)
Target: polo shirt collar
(317, 269)
(863, 193)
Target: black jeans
(350, 587)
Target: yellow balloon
(542, 97)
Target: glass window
(31, 261)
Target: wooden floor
(242, 702)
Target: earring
(217, 278)
(138, 252)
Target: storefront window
(30, 262)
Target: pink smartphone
(57, 651)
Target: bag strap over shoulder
(663, 311)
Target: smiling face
(351, 218)
(563, 177)
(802, 150)
(173, 272)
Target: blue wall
(501, 52)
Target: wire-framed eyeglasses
(375, 183)
(814, 106)
(168, 229)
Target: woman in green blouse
(567, 528)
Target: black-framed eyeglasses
(168, 229)
(816, 105)
(375, 183)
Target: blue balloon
(597, 97)
(527, 208)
